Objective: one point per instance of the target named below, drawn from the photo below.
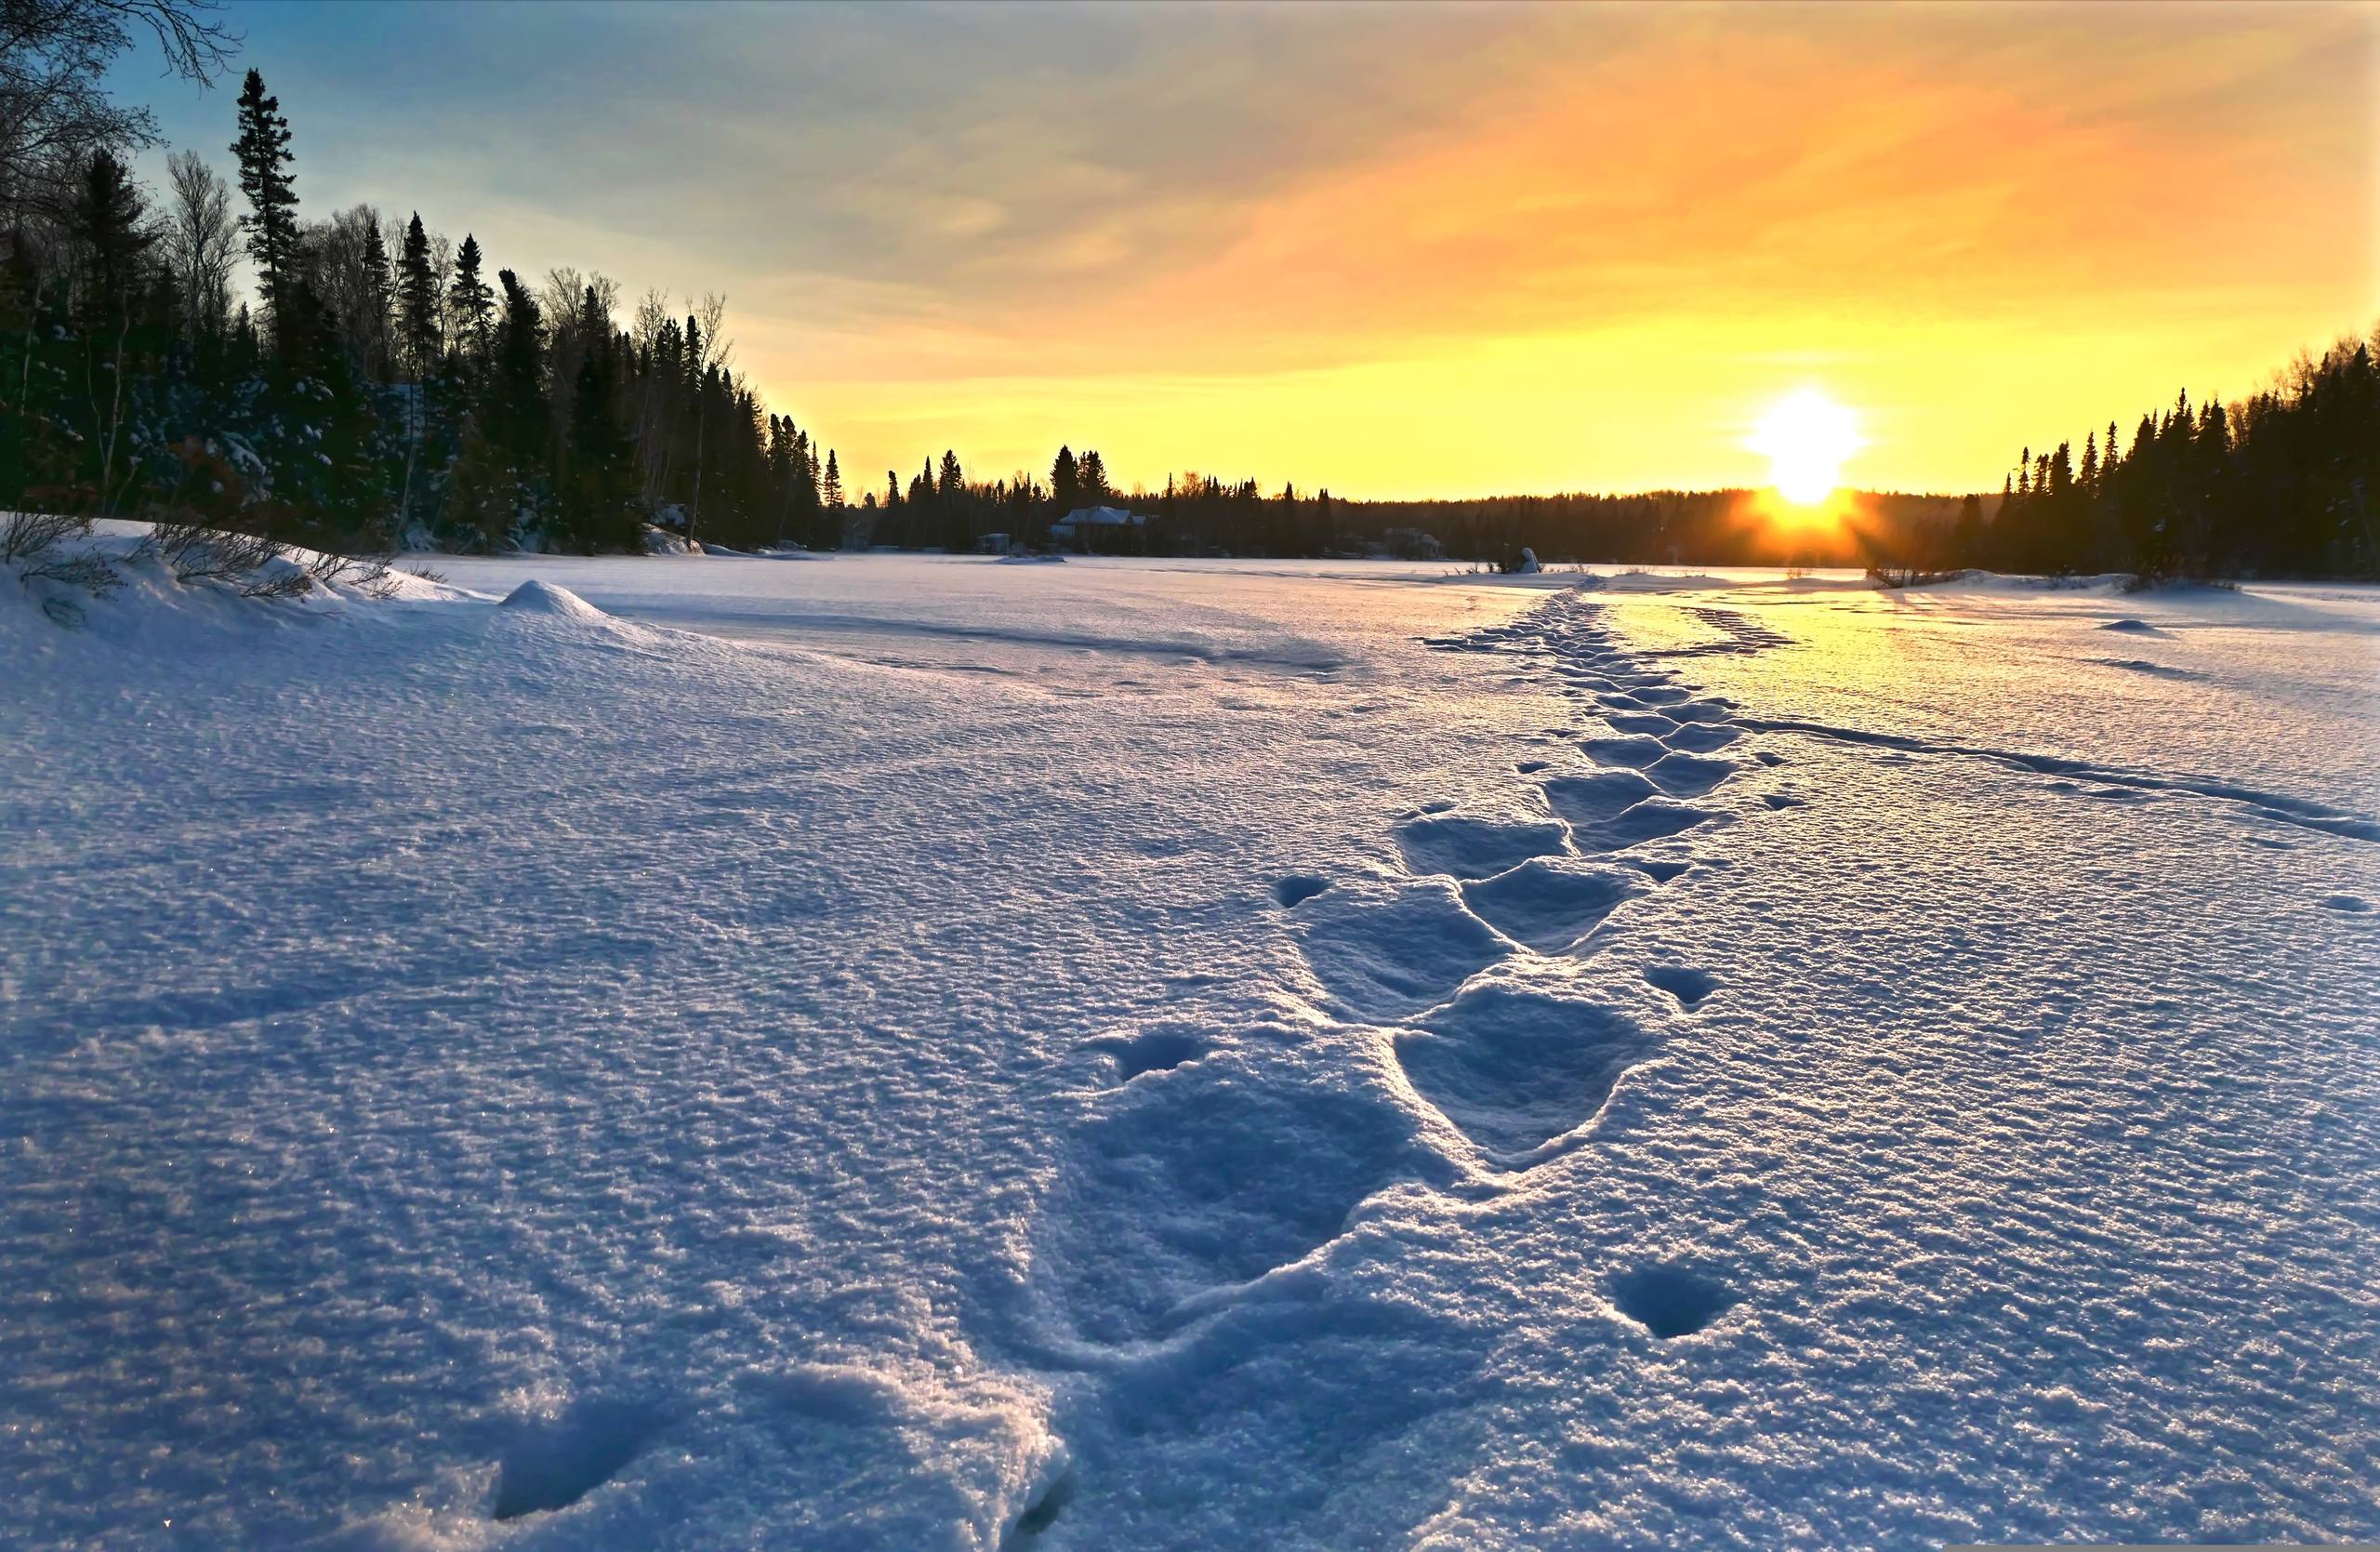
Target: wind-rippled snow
(904, 1052)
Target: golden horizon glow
(1805, 436)
(1418, 250)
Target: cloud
(1181, 222)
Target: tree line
(2279, 484)
(390, 389)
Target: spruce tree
(110, 220)
(418, 301)
(379, 299)
(271, 221)
(516, 382)
(469, 302)
(1065, 482)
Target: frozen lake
(902, 1052)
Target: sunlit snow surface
(919, 1053)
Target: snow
(910, 1051)
(539, 598)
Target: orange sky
(1405, 250)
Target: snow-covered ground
(916, 1052)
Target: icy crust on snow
(1185, 1055)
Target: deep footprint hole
(553, 1465)
(1298, 887)
(1689, 986)
(1160, 1051)
(1671, 1301)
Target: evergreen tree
(516, 379)
(379, 299)
(470, 303)
(271, 221)
(110, 220)
(596, 509)
(1066, 482)
(418, 295)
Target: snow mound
(544, 598)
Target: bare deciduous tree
(54, 56)
(202, 242)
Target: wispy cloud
(1263, 236)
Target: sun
(1806, 436)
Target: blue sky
(1393, 250)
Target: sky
(1395, 251)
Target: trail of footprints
(1206, 1171)
(1203, 1170)
(1515, 1064)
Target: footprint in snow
(1207, 1176)
(1703, 738)
(1551, 903)
(1671, 1301)
(1474, 846)
(1692, 988)
(1634, 751)
(1513, 1069)
(1298, 887)
(1384, 948)
(1688, 775)
(554, 1463)
(1150, 1051)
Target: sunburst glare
(1806, 437)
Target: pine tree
(954, 484)
(1092, 474)
(271, 223)
(833, 489)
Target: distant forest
(388, 389)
